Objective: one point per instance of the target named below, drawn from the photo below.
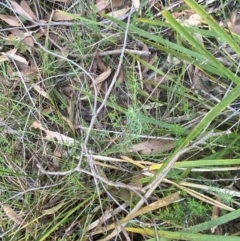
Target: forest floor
(119, 120)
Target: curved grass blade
(200, 48)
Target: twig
(103, 179)
(114, 79)
(8, 129)
(31, 190)
(42, 25)
(129, 134)
(113, 52)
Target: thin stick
(114, 79)
(103, 179)
(113, 52)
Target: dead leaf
(144, 57)
(4, 82)
(121, 194)
(232, 23)
(186, 13)
(20, 11)
(193, 20)
(47, 110)
(153, 146)
(101, 5)
(36, 125)
(11, 40)
(100, 63)
(29, 41)
(40, 91)
(19, 35)
(28, 10)
(3, 58)
(102, 77)
(53, 135)
(119, 13)
(22, 67)
(125, 195)
(199, 38)
(150, 61)
(39, 33)
(16, 57)
(31, 71)
(136, 4)
(11, 54)
(53, 209)
(71, 109)
(11, 20)
(58, 152)
(200, 79)
(117, 3)
(69, 122)
(60, 15)
(64, 52)
(10, 71)
(12, 214)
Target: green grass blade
(204, 123)
(204, 163)
(213, 25)
(200, 48)
(158, 39)
(215, 222)
(182, 236)
(184, 57)
(47, 233)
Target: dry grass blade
(201, 197)
(107, 215)
(153, 206)
(233, 193)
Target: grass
(67, 166)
